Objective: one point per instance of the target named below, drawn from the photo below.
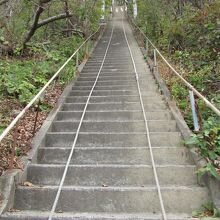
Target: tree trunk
(37, 24)
(31, 32)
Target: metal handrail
(21, 114)
(187, 84)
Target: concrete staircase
(110, 176)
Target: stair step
(106, 83)
(159, 139)
(153, 102)
(100, 88)
(102, 106)
(111, 66)
(112, 77)
(43, 215)
(111, 199)
(79, 104)
(104, 93)
(106, 78)
(116, 155)
(112, 115)
(111, 74)
(113, 71)
(112, 175)
(135, 126)
(108, 65)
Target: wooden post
(36, 117)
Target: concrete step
(117, 126)
(158, 139)
(43, 215)
(111, 199)
(103, 106)
(115, 155)
(110, 74)
(106, 83)
(107, 74)
(100, 88)
(112, 115)
(104, 92)
(112, 59)
(111, 79)
(107, 68)
(115, 62)
(150, 100)
(79, 104)
(112, 175)
(106, 78)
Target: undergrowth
(190, 37)
(207, 210)
(21, 78)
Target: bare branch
(54, 18)
(79, 32)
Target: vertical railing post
(77, 60)
(103, 10)
(14, 145)
(87, 50)
(135, 9)
(146, 46)
(155, 58)
(36, 117)
(194, 113)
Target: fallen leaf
(29, 184)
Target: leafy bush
(189, 34)
(207, 210)
(22, 79)
(208, 144)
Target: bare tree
(37, 23)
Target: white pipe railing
(187, 84)
(21, 114)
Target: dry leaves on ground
(8, 110)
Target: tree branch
(31, 32)
(54, 18)
(79, 32)
(37, 24)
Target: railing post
(146, 46)
(36, 117)
(14, 145)
(87, 49)
(155, 58)
(77, 59)
(194, 113)
(77, 62)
